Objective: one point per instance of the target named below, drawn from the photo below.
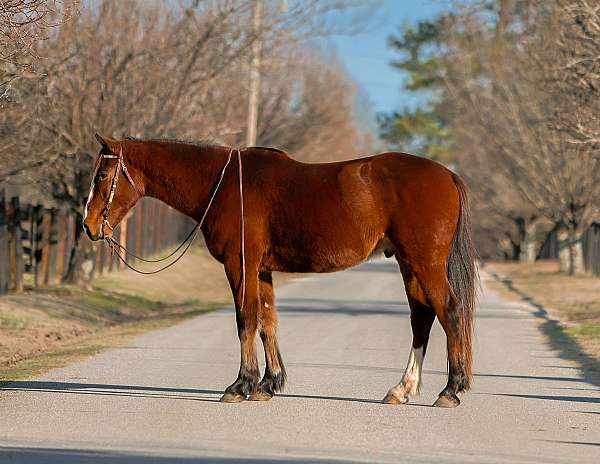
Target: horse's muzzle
(88, 232)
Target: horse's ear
(101, 140)
(107, 142)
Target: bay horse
(303, 217)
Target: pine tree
(420, 129)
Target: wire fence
(36, 242)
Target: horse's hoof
(447, 401)
(229, 397)
(260, 395)
(392, 399)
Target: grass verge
(49, 328)
(569, 307)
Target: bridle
(116, 247)
(113, 187)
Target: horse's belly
(318, 253)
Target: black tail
(463, 276)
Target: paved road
(345, 338)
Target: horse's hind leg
(433, 280)
(275, 376)
(458, 378)
(422, 317)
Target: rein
(116, 247)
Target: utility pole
(254, 87)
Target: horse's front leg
(246, 314)
(274, 378)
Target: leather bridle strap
(113, 187)
(117, 247)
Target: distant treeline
(179, 70)
(514, 106)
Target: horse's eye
(102, 175)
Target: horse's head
(112, 193)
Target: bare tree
(23, 23)
(168, 72)
(506, 102)
(576, 71)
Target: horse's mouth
(92, 237)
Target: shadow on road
(348, 308)
(80, 456)
(587, 443)
(576, 399)
(390, 265)
(312, 306)
(142, 391)
(533, 377)
(560, 340)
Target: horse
(280, 214)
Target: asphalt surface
(345, 338)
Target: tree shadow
(575, 399)
(22, 455)
(566, 442)
(144, 391)
(347, 308)
(315, 306)
(560, 340)
(533, 377)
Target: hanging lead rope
(243, 239)
(116, 246)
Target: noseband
(118, 168)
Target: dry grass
(42, 329)
(574, 300)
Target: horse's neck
(182, 176)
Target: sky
(366, 55)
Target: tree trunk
(529, 245)
(516, 250)
(519, 245)
(81, 264)
(571, 252)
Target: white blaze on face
(91, 194)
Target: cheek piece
(113, 187)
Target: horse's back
(328, 216)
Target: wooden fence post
(131, 235)
(99, 258)
(43, 246)
(69, 241)
(16, 247)
(36, 243)
(27, 230)
(60, 248)
(139, 232)
(52, 247)
(4, 254)
(123, 240)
